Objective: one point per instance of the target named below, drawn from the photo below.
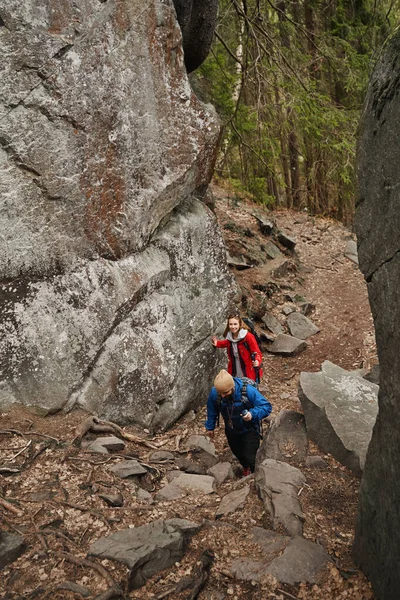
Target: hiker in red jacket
(244, 355)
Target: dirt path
(55, 496)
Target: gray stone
(301, 562)
(272, 251)
(248, 569)
(111, 443)
(272, 323)
(221, 472)
(350, 251)
(203, 450)
(189, 466)
(288, 309)
(95, 446)
(238, 261)
(266, 226)
(377, 225)
(300, 326)
(128, 468)
(316, 462)
(170, 492)
(373, 375)
(286, 240)
(284, 269)
(148, 549)
(161, 456)
(340, 409)
(286, 345)
(195, 484)
(278, 484)
(106, 250)
(232, 502)
(201, 442)
(286, 439)
(112, 499)
(144, 496)
(197, 19)
(306, 308)
(270, 542)
(11, 547)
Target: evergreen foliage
(288, 79)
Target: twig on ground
(286, 594)
(83, 562)
(11, 507)
(20, 452)
(15, 431)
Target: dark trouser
(244, 446)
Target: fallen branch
(286, 594)
(20, 452)
(11, 508)
(83, 562)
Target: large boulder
(377, 543)
(340, 409)
(197, 19)
(112, 276)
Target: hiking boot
(246, 472)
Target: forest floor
(52, 498)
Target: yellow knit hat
(223, 382)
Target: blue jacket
(231, 410)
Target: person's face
(234, 326)
(227, 394)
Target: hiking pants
(244, 446)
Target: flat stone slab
(351, 252)
(272, 323)
(190, 466)
(287, 345)
(221, 472)
(286, 439)
(340, 409)
(148, 549)
(232, 501)
(170, 491)
(272, 251)
(270, 542)
(278, 484)
(301, 562)
(203, 450)
(195, 484)
(128, 468)
(11, 547)
(286, 240)
(111, 443)
(161, 456)
(300, 326)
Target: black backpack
(245, 400)
(252, 329)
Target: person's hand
(256, 363)
(247, 416)
(214, 340)
(210, 434)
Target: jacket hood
(241, 335)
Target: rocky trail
(184, 525)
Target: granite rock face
(340, 409)
(112, 275)
(377, 544)
(197, 19)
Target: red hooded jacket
(246, 347)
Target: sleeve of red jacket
(253, 346)
(222, 343)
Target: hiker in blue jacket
(242, 414)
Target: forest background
(288, 79)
